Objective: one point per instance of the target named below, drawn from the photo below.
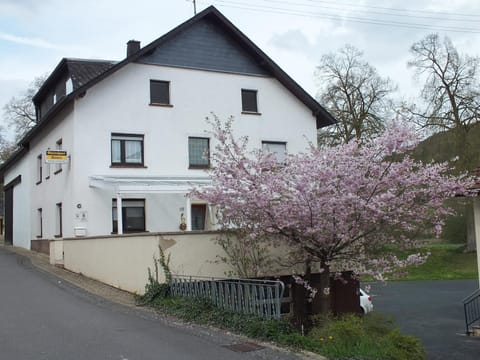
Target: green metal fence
(247, 296)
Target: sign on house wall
(56, 157)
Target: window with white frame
(278, 148)
(133, 215)
(127, 149)
(198, 153)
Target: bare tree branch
(19, 112)
(355, 94)
(451, 92)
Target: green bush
(406, 347)
(350, 337)
(370, 337)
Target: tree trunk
(324, 290)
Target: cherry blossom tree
(337, 208)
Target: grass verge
(371, 337)
(446, 262)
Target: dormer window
(68, 86)
(54, 98)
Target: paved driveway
(433, 311)
(42, 317)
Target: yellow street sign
(56, 156)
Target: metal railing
(258, 297)
(471, 307)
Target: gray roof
(82, 71)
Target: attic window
(249, 101)
(159, 92)
(68, 86)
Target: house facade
(118, 145)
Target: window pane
(58, 223)
(116, 152)
(134, 219)
(159, 92)
(39, 168)
(133, 215)
(277, 148)
(198, 152)
(133, 151)
(249, 100)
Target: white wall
(54, 188)
(120, 104)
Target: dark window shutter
(249, 100)
(159, 92)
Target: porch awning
(148, 184)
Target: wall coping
(143, 234)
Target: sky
(35, 35)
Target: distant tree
(451, 92)
(336, 207)
(353, 92)
(6, 147)
(19, 112)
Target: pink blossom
(336, 206)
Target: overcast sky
(35, 35)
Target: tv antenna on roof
(194, 2)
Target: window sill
(57, 172)
(123, 166)
(161, 105)
(38, 182)
(39, 236)
(251, 113)
(57, 236)
(199, 167)
(129, 232)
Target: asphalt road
(42, 317)
(433, 311)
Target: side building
(135, 136)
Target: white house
(134, 133)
